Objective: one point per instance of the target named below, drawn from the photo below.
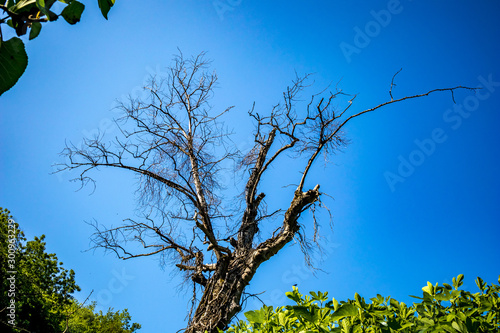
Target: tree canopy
(37, 292)
(85, 319)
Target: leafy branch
(22, 15)
(464, 312)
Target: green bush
(443, 308)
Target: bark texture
(222, 296)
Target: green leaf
(429, 288)
(41, 5)
(333, 304)
(394, 303)
(105, 6)
(14, 61)
(303, 311)
(427, 321)
(456, 326)
(357, 298)
(443, 297)
(407, 325)
(255, 316)
(44, 6)
(480, 283)
(294, 295)
(447, 286)
(345, 310)
(73, 12)
(22, 5)
(36, 27)
(457, 282)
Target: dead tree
(178, 146)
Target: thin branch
(393, 84)
(73, 312)
(342, 124)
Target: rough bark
(222, 296)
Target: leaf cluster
(87, 320)
(22, 15)
(443, 308)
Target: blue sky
(440, 218)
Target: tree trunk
(222, 295)
(221, 298)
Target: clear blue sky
(439, 219)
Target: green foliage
(441, 309)
(42, 286)
(105, 6)
(73, 12)
(42, 290)
(30, 14)
(87, 320)
(13, 60)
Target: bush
(441, 309)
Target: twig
(393, 84)
(78, 308)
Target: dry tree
(178, 147)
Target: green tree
(84, 319)
(22, 15)
(443, 308)
(37, 291)
(42, 285)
